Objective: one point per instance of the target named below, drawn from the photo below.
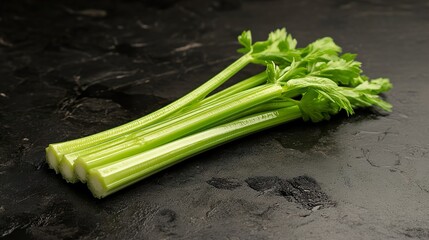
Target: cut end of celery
(52, 158)
(96, 186)
(80, 172)
(66, 170)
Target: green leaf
(365, 95)
(316, 107)
(245, 39)
(321, 50)
(292, 71)
(295, 87)
(361, 99)
(279, 48)
(272, 72)
(375, 86)
(349, 56)
(323, 86)
(343, 72)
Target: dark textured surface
(71, 68)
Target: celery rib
(108, 179)
(56, 151)
(66, 166)
(186, 126)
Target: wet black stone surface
(302, 189)
(224, 183)
(72, 68)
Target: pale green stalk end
(67, 170)
(97, 186)
(53, 158)
(81, 170)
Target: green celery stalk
(72, 173)
(251, 82)
(233, 105)
(66, 166)
(81, 169)
(107, 179)
(54, 152)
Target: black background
(71, 68)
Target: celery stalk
(105, 180)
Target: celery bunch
(312, 83)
